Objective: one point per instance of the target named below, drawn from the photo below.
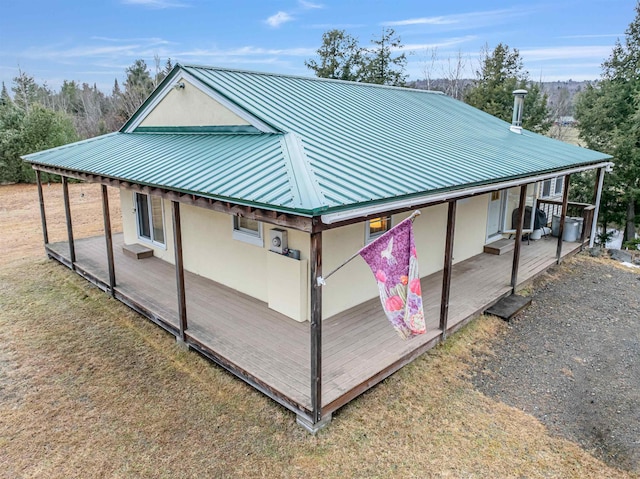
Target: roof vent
(518, 104)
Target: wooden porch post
(518, 244)
(448, 266)
(177, 248)
(316, 327)
(43, 216)
(106, 215)
(67, 211)
(597, 197)
(563, 216)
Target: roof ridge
(308, 78)
(303, 180)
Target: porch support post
(563, 216)
(177, 248)
(43, 216)
(106, 215)
(518, 244)
(67, 212)
(316, 327)
(597, 197)
(448, 266)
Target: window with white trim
(247, 230)
(376, 227)
(149, 218)
(559, 184)
(546, 189)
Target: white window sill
(248, 238)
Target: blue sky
(95, 41)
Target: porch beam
(563, 216)
(279, 218)
(316, 327)
(518, 244)
(43, 216)
(106, 215)
(177, 248)
(448, 267)
(597, 197)
(67, 212)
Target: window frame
(149, 213)
(368, 237)
(254, 237)
(559, 182)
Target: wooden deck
(271, 351)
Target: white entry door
(494, 221)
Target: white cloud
(156, 3)
(278, 19)
(464, 20)
(604, 35)
(309, 5)
(423, 21)
(568, 53)
(246, 51)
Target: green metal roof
(255, 168)
(342, 145)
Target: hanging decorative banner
(394, 263)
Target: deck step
(137, 251)
(509, 306)
(499, 247)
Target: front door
(494, 221)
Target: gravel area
(572, 359)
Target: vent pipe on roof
(518, 104)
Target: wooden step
(499, 247)
(509, 306)
(137, 251)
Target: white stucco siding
(471, 227)
(191, 107)
(354, 283)
(210, 250)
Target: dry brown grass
(20, 231)
(90, 389)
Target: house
(238, 189)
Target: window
(247, 230)
(376, 227)
(546, 189)
(149, 218)
(559, 184)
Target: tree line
(36, 117)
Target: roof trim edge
(172, 79)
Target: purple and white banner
(393, 260)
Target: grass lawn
(90, 389)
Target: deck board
(358, 344)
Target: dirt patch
(20, 226)
(573, 360)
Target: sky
(94, 41)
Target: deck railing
(574, 209)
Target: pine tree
(501, 72)
(383, 68)
(609, 119)
(341, 57)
